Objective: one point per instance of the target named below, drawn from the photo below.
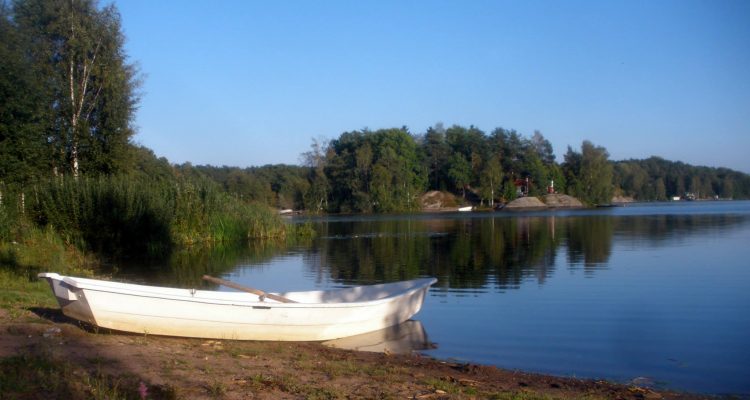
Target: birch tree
(491, 180)
(80, 49)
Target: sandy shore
(46, 355)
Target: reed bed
(125, 215)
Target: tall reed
(123, 215)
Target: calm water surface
(654, 293)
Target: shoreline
(302, 215)
(84, 360)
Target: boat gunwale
(132, 290)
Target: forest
(388, 169)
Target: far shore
(524, 205)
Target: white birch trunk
(80, 98)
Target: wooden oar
(260, 293)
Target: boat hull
(237, 316)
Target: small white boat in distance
(309, 316)
(465, 209)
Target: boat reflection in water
(404, 338)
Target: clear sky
(248, 83)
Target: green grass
(216, 389)
(536, 396)
(450, 387)
(37, 377)
(42, 376)
(340, 368)
(17, 293)
(36, 250)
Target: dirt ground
(137, 366)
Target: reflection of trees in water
(501, 250)
(462, 252)
(653, 230)
(467, 253)
(589, 241)
(372, 251)
(185, 267)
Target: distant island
(389, 170)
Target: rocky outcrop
(525, 203)
(437, 201)
(548, 201)
(622, 199)
(561, 201)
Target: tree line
(388, 169)
(657, 179)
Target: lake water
(656, 294)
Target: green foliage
(589, 174)
(279, 186)
(596, 174)
(76, 92)
(397, 179)
(491, 180)
(111, 216)
(658, 179)
(374, 171)
(147, 165)
(8, 213)
(381, 171)
(464, 158)
(23, 116)
(125, 216)
(315, 198)
(459, 172)
(29, 251)
(436, 153)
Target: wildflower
(142, 390)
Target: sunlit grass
(36, 250)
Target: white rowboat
(313, 315)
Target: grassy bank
(72, 226)
(30, 251)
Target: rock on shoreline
(622, 199)
(562, 201)
(438, 201)
(549, 201)
(525, 203)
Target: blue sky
(253, 82)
